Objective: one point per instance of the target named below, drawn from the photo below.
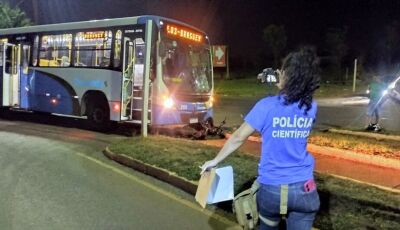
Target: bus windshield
(186, 67)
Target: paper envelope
(215, 186)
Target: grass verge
(344, 204)
(249, 87)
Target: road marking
(233, 225)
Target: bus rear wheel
(99, 117)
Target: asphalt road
(55, 177)
(347, 113)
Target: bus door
(11, 74)
(133, 70)
(25, 51)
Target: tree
(12, 17)
(337, 47)
(392, 40)
(275, 37)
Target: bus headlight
(168, 102)
(210, 103)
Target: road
(56, 177)
(347, 113)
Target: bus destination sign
(94, 35)
(184, 33)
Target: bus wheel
(99, 117)
(2, 113)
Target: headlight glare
(168, 103)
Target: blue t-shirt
(284, 130)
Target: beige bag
(245, 207)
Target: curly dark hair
(301, 77)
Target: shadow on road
(123, 129)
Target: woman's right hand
(208, 165)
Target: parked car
(268, 75)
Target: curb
(345, 154)
(388, 189)
(159, 173)
(354, 156)
(376, 136)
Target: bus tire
(99, 117)
(2, 113)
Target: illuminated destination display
(94, 35)
(184, 33)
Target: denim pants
(301, 206)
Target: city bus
(146, 70)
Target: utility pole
(227, 63)
(146, 80)
(354, 75)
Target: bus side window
(2, 41)
(117, 49)
(9, 60)
(1, 55)
(55, 50)
(35, 51)
(26, 50)
(93, 49)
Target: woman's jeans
(301, 206)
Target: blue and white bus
(99, 70)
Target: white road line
(163, 192)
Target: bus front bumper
(163, 116)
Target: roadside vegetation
(249, 87)
(345, 204)
(12, 16)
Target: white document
(222, 186)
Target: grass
(249, 87)
(365, 145)
(244, 87)
(344, 204)
(183, 157)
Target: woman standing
(285, 170)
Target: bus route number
(183, 33)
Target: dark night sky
(239, 23)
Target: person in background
(376, 99)
(285, 170)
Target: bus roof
(90, 24)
